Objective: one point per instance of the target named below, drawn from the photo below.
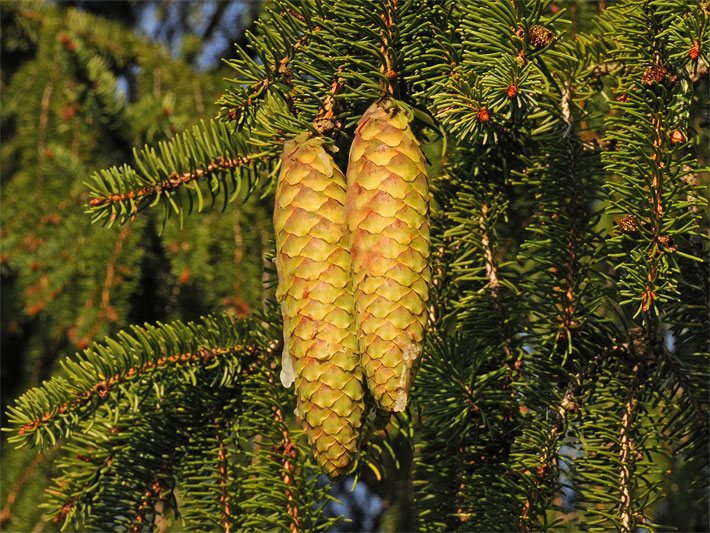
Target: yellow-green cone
(315, 291)
(388, 209)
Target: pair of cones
(352, 258)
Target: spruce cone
(388, 208)
(313, 262)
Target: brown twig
(611, 67)
(222, 469)
(547, 461)
(111, 268)
(648, 296)
(627, 456)
(568, 322)
(102, 388)
(238, 253)
(173, 181)
(278, 71)
(152, 492)
(287, 449)
(324, 121)
(43, 119)
(548, 455)
(491, 270)
(388, 67)
(492, 275)
(27, 473)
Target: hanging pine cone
(313, 263)
(388, 208)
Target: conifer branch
(240, 104)
(109, 279)
(63, 402)
(173, 181)
(491, 270)
(387, 36)
(626, 512)
(102, 389)
(649, 158)
(687, 389)
(284, 450)
(547, 463)
(222, 469)
(42, 127)
(287, 451)
(25, 475)
(512, 366)
(524, 403)
(206, 158)
(325, 120)
(71, 492)
(144, 512)
(546, 474)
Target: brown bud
(540, 36)
(667, 242)
(628, 224)
(184, 276)
(512, 91)
(67, 42)
(694, 51)
(483, 115)
(655, 74)
(677, 137)
(623, 97)
(68, 112)
(101, 389)
(35, 309)
(569, 405)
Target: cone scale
(388, 209)
(315, 293)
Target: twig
(387, 69)
(324, 121)
(173, 181)
(43, 118)
(111, 269)
(222, 468)
(102, 388)
(27, 473)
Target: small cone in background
(315, 292)
(388, 210)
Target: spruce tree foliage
(79, 92)
(564, 379)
